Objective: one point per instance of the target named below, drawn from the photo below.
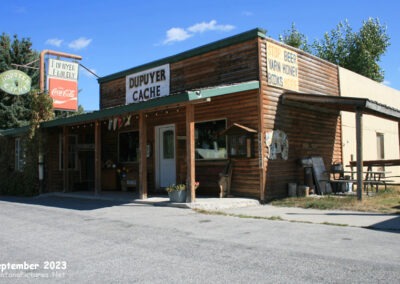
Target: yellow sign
(282, 67)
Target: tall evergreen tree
(15, 110)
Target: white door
(165, 156)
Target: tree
(371, 43)
(357, 51)
(294, 38)
(15, 110)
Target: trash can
(292, 189)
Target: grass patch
(385, 201)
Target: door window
(168, 146)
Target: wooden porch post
(97, 157)
(359, 144)
(261, 140)
(190, 158)
(143, 157)
(65, 159)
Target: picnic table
(370, 179)
(375, 177)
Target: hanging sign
(63, 84)
(147, 85)
(282, 67)
(63, 69)
(15, 82)
(64, 94)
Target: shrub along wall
(13, 182)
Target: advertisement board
(282, 67)
(63, 84)
(148, 84)
(64, 94)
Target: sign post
(55, 53)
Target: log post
(143, 156)
(65, 159)
(359, 144)
(190, 158)
(97, 157)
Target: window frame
(225, 137)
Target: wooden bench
(376, 183)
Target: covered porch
(146, 116)
(359, 106)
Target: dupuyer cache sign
(147, 85)
(282, 67)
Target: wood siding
(243, 111)
(235, 108)
(232, 64)
(310, 132)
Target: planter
(177, 196)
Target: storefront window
(210, 145)
(128, 150)
(72, 152)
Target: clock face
(15, 82)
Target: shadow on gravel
(63, 202)
(392, 225)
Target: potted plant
(177, 193)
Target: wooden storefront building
(181, 119)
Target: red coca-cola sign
(64, 94)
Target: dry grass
(384, 202)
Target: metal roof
(350, 104)
(191, 96)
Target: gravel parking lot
(74, 240)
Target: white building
(380, 136)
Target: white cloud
(386, 82)
(247, 13)
(54, 42)
(176, 34)
(80, 43)
(210, 26)
(181, 34)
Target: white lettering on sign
(63, 69)
(282, 67)
(62, 92)
(147, 85)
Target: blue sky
(112, 36)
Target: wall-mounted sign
(63, 69)
(15, 82)
(147, 85)
(64, 94)
(282, 67)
